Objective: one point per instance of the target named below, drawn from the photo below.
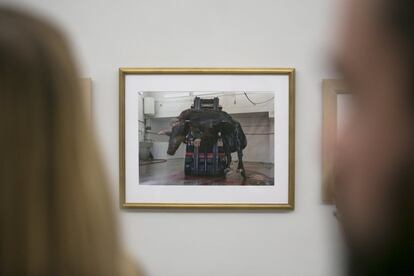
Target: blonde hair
(56, 215)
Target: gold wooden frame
(207, 71)
(331, 88)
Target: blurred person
(375, 170)
(55, 210)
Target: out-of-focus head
(374, 192)
(55, 214)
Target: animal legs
(228, 156)
(240, 165)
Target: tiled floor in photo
(171, 172)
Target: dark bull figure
(206, 125)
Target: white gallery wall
(107, 35)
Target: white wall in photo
(107, 35)
(232, 102)
(255, 118)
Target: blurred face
(375, 142)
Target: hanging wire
(245, 94)
(213, 94)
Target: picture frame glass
(149, 106)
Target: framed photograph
(336, 105)
(207, 138)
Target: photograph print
(206, 138)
